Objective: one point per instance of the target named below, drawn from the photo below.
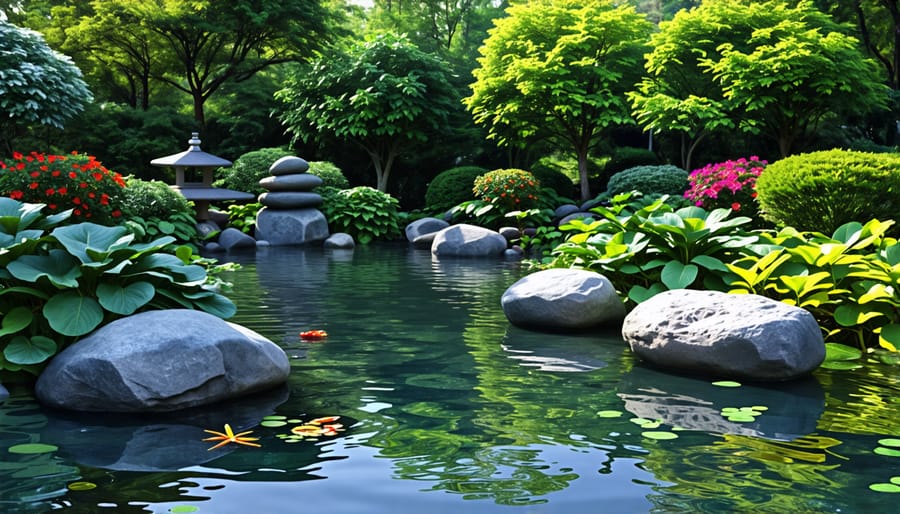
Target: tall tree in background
(385, 95)
(559, 69)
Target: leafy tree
(37, 84)
(766, 68)
(385, 95)
(559, 69)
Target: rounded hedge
(331, 175)
(153, 198)
(248, 169)
(510, 189)
(555, 180)
(664, 179)
(452, 187)
(821, 191)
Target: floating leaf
(82, 486)
(888, 452)
(742, 418)
(726, 383)
(273, 423)
(609, 414)
(885, 488)
(181, 509)
(894, 443)
(840, 365)
(659, 436)
(841, 352)
(32, 448)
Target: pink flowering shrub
(729, 184)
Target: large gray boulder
(465, 240)
(161, 361)
(424, 226)
(562, 299)
(232, 238)
(291, 226)
(725, 335)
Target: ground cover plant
(59, 282)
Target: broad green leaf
(15, 320)
(848, 233)
(709, 262)
(849, 315)
(676, 275)
(32, 448)
(60, 268)
(71, 314)
(25, 351)
(125, 300)
(640, 294)
(890, 337)
(217, 305)
(841, 352)
(841, 365)
(80, 237)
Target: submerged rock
(726, 335)
(161, 361)
(465, 240)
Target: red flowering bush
(75, 181)
(509, 189)
(729, 184)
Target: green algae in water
(609, 414)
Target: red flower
(55, 173)
(17, 156)
(62, 191)
(15, 195)
(33, 185)
(116, 213)
(98, 177)
(49, 192)
(735, 206)
(76, 201)
(72, 174)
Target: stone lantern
(201, 193)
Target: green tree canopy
(559, 69)
(769, 68)
(37, 84)
(385, 95)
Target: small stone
(296, 182)
(290, 200)
(232, 238)
(510, 233)
(288, 165)
(424, 226)
(339, 240)
(465, 240)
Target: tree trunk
(583, 174)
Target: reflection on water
(450, 409)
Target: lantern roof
(192, 157)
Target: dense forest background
(160, 69)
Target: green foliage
(727, 185)
(821, 191)
(75, 182)
(243, 216)
(451, 187)
(248, 169)
(331, 175)
(558, 69)
(363, 212)
(37, 84)
(508, 189)
(385, 95)
(61, 282)
(663, 180)
(555, 179)
(625, 157)
(152, 209)
(850, 281)
(647, 249)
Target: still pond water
(449, 409)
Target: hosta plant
(850, 281)
(363, 212)
(59, 282)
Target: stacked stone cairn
(289, 215)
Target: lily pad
(726, 383)
(888, 452)
(659, 435)
(742, 418)
(609, 414)
(894, 443)
(272, 423)
(885, 488)
(82, 486)
(32, 448)
(181, 509)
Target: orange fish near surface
(313, 335)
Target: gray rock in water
(213, 247)
(295, 182)
(161, 361)
(562, 299)
(207, 227)
(288, 165)
(291, 226)
(4, 393)
(510, 233)
(232, 238)
(424, 226)
(424, 241)
(290, 199)
(724, 335)
(465, 240)
(339, 240)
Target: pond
(446, 408)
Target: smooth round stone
(288, 165)
(290, 200)
(296, 182)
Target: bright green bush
(509, 189)
(243, 216)
(663, 180)
(820, 191)
(554, 179)
(248, 169)
(451, 187)
(365, 213)
(331, 175)
(58, 282)
(152, 209)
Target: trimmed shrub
(152, 209)
(509, 189)
(627, 157)
(365, 213)
(451, 187)
(331, 175)
(246, 172)
(554, 179)
(820, 191)
(663, 180)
